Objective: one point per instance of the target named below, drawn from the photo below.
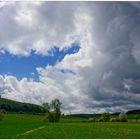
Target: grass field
(14, 124)
(32, 126)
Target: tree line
(18, 107)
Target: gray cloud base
(107, 66)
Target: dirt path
(30, 131)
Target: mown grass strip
(30, 131)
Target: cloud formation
(36, 26)
(104, 75)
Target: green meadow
(33, 126)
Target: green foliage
(52, 117)
(14, 106)
(93, 119)
(123, 117)
(106, 116)
(100, 119)
(56, 104)
(136, 118)
(46, 107)
(115, 119)
(3, 111)
(53, 110)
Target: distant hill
(134, 111)
(19, 107)
(83, 115)
(95, 115)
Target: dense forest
(18, 107)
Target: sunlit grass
(33, 126)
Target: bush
(91, 120)
(35, 113)
(53, 117)
(57, 116)
(84, 121)
(62, 115)
(115, 119)
(136, 118)
(1, 115)
(106, 116)
(3, 111)
(123, 117)
(46, 118)
(21, 112)
(100, 119)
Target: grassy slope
(15, 106)
(16, 124)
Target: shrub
(100, 119)
(62, 115)
(35, 113)
(21, 112)
(136, 118)
(123, 117)
(84, 121)
(106, 116)
(3, 111)
(91, 120)
(114, 119)
(52, 117)
(57, 115)
(46, 118)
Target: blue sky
(100, 74)
(25, 66)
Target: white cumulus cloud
(103, 75)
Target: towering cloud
(103, 75)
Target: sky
(86, 54)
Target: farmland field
(32, 126)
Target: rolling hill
(19, 107)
